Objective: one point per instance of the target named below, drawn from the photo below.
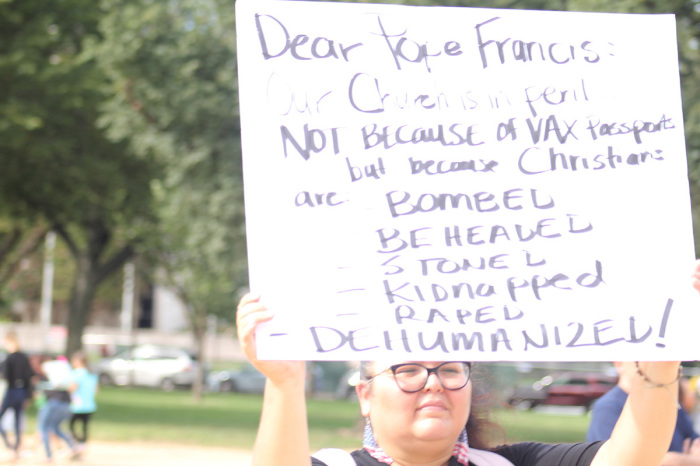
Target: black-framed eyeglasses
(413, 377)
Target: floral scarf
(461, 450)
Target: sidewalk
(139, 454)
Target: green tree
(19, 239)
(172, 65)
(57, 164)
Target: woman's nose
(433, 382)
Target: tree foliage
(57, 165)
(172, 65)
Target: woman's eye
(456, 368)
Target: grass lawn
(543, 427)
(128, 414)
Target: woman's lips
(432, 405)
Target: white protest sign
(440, 183)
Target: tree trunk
(310, 379)
(82, 294)
(90, 272)
(199, 333)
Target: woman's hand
(283, 433)
(251, 313)
(696, 275)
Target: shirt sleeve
(544, 454)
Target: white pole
(47, 283)
(212, 325)
(127, 315)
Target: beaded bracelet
(657, 385)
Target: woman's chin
(434, 429)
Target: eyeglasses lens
(413, 377)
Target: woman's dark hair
(483, 433)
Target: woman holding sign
(425, 413)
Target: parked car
(149, 366)
(245, 379)
(566, 389)
(248, 379)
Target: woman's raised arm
(283, 435)
(643, 433)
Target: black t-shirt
(520, 454)
(18, 372)
(543, 454)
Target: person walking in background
(83, 388)
(56, 409)
(18, 374)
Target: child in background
(83, 388)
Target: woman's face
(397, 417)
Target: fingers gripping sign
(251, 313)
(696, 275)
